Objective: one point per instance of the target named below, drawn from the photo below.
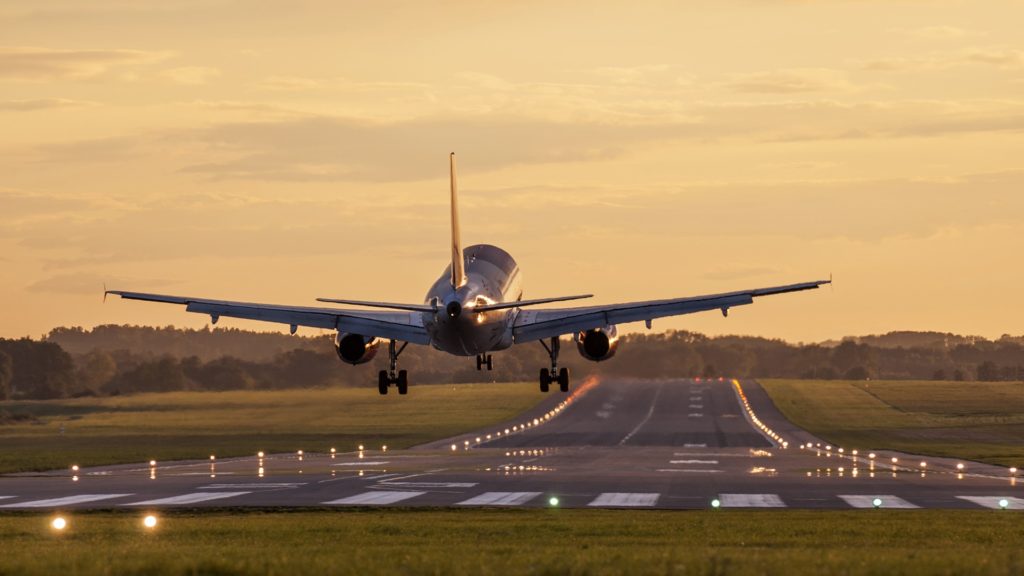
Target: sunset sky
(277, 151)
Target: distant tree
(41, 370)
(856, 373)
(162, 375)
(95, 369)
(958, 375)
(988, 371)
(6, 375)
(939, 374)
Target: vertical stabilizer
(458, 260)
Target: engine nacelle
(598, 344)
(355, 348)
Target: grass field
(981, 421)
(454, 542)
(196, 424)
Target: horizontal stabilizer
(391, 305)
(520, 303)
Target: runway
(611, 443)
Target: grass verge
(981, 421)
(454, 542)
(183, 425)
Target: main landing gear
(400, 378)
(549, 377)
(483, 360)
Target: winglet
(105, 292)
(458, 259)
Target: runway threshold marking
(430, 484)
(6, 497)
(993, 501)
(751, 501)
(690, 470)
(500, 499)
(625, 499)
(193, 498)
(66, 501)
(252, 485)
(867, 501)
(375, 497)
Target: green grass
(501, 542)
(981, 421)
(184, 425)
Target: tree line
(110, 360)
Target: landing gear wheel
(403, 382)
(382, 382)
(545, 380)
(563, 379)
(489, 365)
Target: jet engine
(355, 348)
(598, 344)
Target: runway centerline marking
(696, 415)
(252, 485)
(500, 499)
(701, 445)
(650, 413)
(993, 501)
(867, 501)
(375, 497)
(751, 501)
(430, 484)
(188, 498)
(693, 461)
(66, 501)
(690, 470)
(627, 499)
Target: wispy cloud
(34, 104)
(40, 64)
(791, 81)
(191, 75)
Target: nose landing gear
(400, 378)
(549, 377)
(483, 360)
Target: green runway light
(553, 501)
(716, 503)
(877, 502)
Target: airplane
(476, 307)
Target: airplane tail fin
(458, 259)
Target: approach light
(895, 459)
(384, 448)
(212, 457)
(877, 502)
(1013, 470)
(871, 456)
(454, 447)
(553, 501)
(152, 463)
(960, 466)
(259, 454)
(716, 503)
(74, 468)
(1003, 503)
(59, 523)
(149, 521)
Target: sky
(279, 151)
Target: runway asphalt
(611, 443)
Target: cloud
(1006, 58)
(790, 81)
(191, 75)
(937, 32)
(90, 283)
(35, 104)
(288, 83)
(41, 64)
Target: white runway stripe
(626, 499)
(376, 497)
(751, 501)
(6, 497)
(888, 501)
(993, 501)
(192, 498)
(66, 501)
(500, 499)
(693, 461)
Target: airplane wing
(405, 326)
(541, 324)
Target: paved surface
(610, 444)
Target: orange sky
(279, 151)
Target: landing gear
(400, 378)
(483, 360)
(548, 377)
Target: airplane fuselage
(491, 276)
